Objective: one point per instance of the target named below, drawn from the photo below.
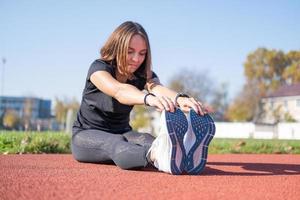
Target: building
(34, 107)
(282, 105)
(33, 113)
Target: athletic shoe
(200, 132)
(167, 150)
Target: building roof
(286, 90)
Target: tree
(11, 119)
(194, 83)
(265, 71)
(140, 118)
(27, 113)
(245, 105)
(288, 117)
(61, 109)
(72, 108)
(292, 72)
(60, 112)
(219, 102)
(1, 120)
(264, 68)
(199, 85)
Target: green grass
(13, 142)
(223, 146)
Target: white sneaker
(167, 151)
(201, 131)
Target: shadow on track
(248, 169)
(252, 169)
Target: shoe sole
(204, 129)
(177, 126)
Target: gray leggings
(127, 150)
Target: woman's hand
(187, 103)
(161, 103)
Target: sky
(49, 45)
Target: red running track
(225, 177)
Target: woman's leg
(97, 146)
(143, 139)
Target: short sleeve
(154, 75)
(152, 82)
(99, 65)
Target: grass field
(12, 142)
(223, 146)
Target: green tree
(288, 117)
(27, 113)
(140, 118)
(280, 117)
(60, 111)
(11, 119)
(265, 71)
(292, 72)
(62, 106)
(244, 106)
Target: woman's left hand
(187, 103)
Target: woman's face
(136, 53)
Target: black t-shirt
(101, 111)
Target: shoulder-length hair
(116, 47)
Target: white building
(282, 105)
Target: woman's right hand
(161, 103)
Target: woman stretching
(114, 84)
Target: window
(286, 105)
(298, 102)
(272, 104)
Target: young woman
(114, 84)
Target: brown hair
(116, 47)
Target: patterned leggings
(127, 150)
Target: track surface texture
(238, 176)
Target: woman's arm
(154, 86)
(184, 103)
(125, 93)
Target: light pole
(2, 78)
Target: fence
(289, 131)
